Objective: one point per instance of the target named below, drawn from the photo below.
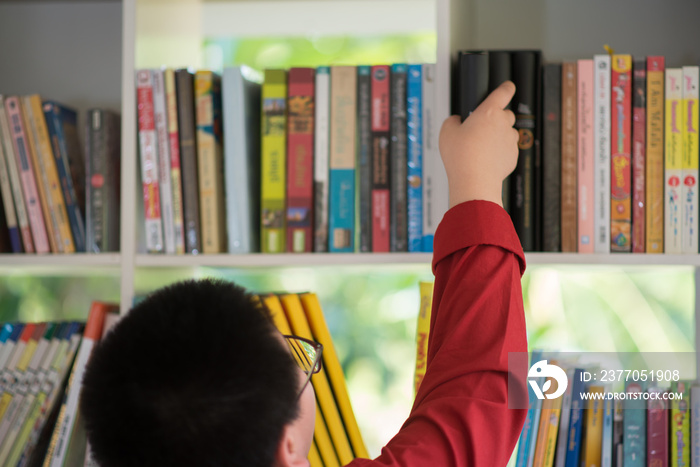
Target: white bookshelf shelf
(613, 259)
(324, 260)
(79, 264)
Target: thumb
(501, 96)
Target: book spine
(601, 129)
(569, 197)
(531, 421)
(655, 155)
(695, 426)
(300, 156)
(342, 159)
(620, 157)
(160, 117)
(274, 117)
(500, 70)
(321, 158)
(545, 420)
(607, 438)
(54, 191)
(551, 158)
(594, 429)
(472, 82)
(691, 149)
(634, 429)
(364, 169)
(41, 177)
(26, 172)
(175, 166)
(149, 162)
(434, 177)
(210, 161)
(586, 157)
(55, 116)
(8, 202)
(639, 157)
(27, 243)
(552, 431)
(525, 65)
(99, 177)
(111, 222)
(573, 445)
(184, 84)
(657, 431)
(415, 159)
(398, 224)
(680, 424)
(673, 160)
(381, 160)
(564, 420)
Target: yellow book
(273, 162)
(673, 161)
(331, 364)
(314, 457)
(42, 182)
(210, 161)
(422, 331)
(324, 395)
(594, 429)
(175, 171)
(655, 156)
(321, 436)
(691, 148)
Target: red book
(381, 143)
(657, 431)
(300, 156)
(639, 127)
(621, 161)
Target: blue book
(606, 460)
(415, 158)
(61, 123)
(573, 445)
(634, 428)
(531, 421)
(341, 219)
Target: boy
(197, 375)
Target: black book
(525, 66)
(551, 158)
(500, 71)
(398, 225)
(184, 85)
(364, 148)
(472, 84)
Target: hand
(481, 152)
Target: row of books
(53, 201)
(611, 432)
(37, 368)
(608, 151)
(328, 159)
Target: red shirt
(460, 416)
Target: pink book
(586, 169)
(657, 431)
(26, 173)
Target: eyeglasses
(307, 354)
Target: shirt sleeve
(460, 416)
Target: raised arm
(460, 416)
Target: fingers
(501, 96)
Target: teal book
(634, 428)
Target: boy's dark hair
(193, 375)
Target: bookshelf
(90, 50)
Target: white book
(689, 184)
(148, 151)
(601, 145)
(673, 166)
(6, 191)
(321, 157)
(160, 115)
(435, 194)
(240, 97)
